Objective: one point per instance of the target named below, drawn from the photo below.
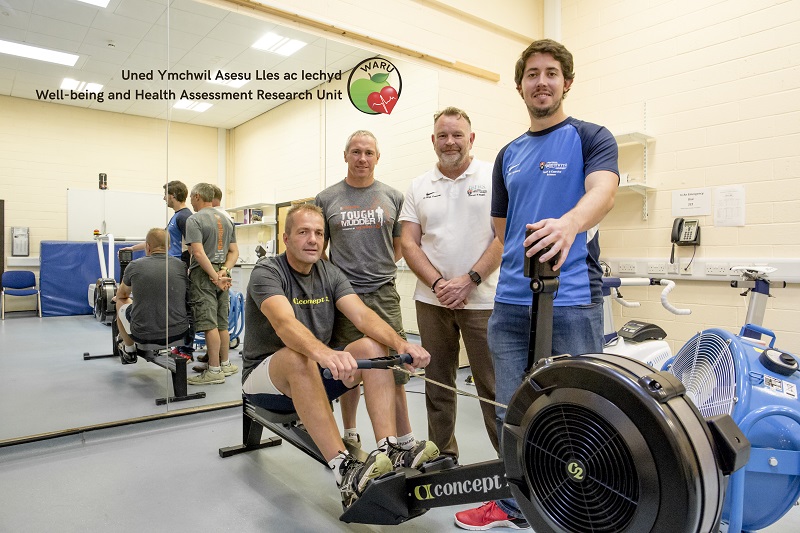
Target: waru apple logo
(374, 86)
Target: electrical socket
(717, 269)
(656, 268)
(685, 267)
(627, 267)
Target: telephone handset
(684, 233)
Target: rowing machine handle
(378, 362)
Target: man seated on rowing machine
(289, 309)
(159, 314)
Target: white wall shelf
(268, 215)
(265, 222)
(634, 137)
(252, 234)
(642, 141)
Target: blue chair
(19, 283)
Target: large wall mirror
(258, 146)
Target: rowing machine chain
(448, 387)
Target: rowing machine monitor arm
(544, 284)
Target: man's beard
(544, 112)
(452, 161)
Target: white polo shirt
(456, 226)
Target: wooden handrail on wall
(327, 28)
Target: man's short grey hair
(204, 190)
(361, 133)
(451, 111)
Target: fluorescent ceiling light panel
(272, 42)
(188, 105)
(236, 84)
(34, 52)
(98, 3)
(74, 85)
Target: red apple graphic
(383, 101)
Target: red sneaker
(487, 516)
(177, 353)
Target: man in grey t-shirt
(363, 233)
(149, 320)
(290, 304)
(212, 241)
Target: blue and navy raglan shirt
(541, 175)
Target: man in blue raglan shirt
(558, 179)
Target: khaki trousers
(440, 329)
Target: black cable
(694, 251)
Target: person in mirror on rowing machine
(148, 320)
(289, 308)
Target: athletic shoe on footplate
(487, 516)
(356, 475)
(207, 378)
(422, 452)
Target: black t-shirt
(313, 297)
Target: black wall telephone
(684, 233)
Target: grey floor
(164, 475)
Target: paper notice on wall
(729, 205)
(691, 202)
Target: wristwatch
(474, 276)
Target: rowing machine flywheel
(104, 307)
(604, 443)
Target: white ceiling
(181, 35)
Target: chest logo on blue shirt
(477, 190)
(552, 168)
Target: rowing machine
(597, 442)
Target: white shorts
(124, 318)
(258, 382)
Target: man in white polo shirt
(449, 242)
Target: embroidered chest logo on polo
(432, 194)
(552, 168)
(477, 190)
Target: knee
(367, 348)
(297, 367)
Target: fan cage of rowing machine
(605, 443)
(741, 376)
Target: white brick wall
(720, 82)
